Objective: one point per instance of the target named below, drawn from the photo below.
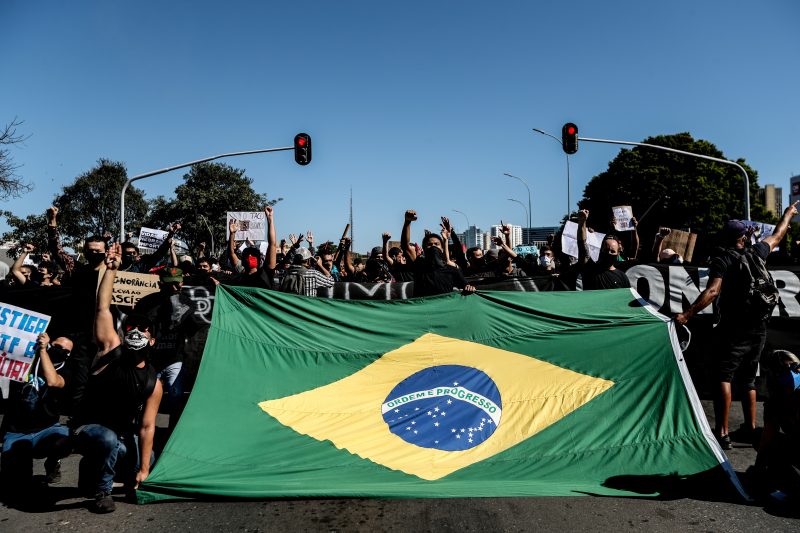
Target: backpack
(762, 295)
(293, 281)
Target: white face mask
(135, 339)
(545, 261)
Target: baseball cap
(171, 274)
(304, 253)
(733, 229)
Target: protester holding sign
(255, 271)
(32, 423)
(602, 273)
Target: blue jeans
(19, 449)
(106, 457)
(172, 380)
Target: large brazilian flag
(492, 394)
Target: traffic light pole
(176, 167)
(673, 150)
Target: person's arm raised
(780, 230)
(583, 246)
(105, 334)
(232, 229)
(271, 261)
(16, 268)
(405, 236)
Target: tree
(31, 229)
(90, 206)
(208, 192)
(11, 184)
(686, 192)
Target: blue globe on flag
(446, 407)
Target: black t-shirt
(597, 277)
(430, 280)
(31, 410)
(726, 263)
(172, 317)
(115, 397)
(263, 278)
(402, 272)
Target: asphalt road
(693, 507)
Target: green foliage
(201, 202)
(31, 229)
(687, 192)
(90, 206)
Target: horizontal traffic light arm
(690, 154)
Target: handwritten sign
(252, 225)
(130, 287)
(622, 218)
(18, 331)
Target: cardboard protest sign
(150, 239)
(130, 287)
(18, 331)
(252, 225)
(622, 218)
(569, 240)
(682, 242)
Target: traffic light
(302, 148)
(569, 138)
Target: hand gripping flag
(494, 394)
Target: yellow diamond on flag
(437, 405)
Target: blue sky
(419, 105)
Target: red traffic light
(302, 148)
(569, 138)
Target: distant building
(516, 235)
(772, 198)
(538, 235)
(472, 237)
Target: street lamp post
(464, 215)
(569, 197)
(682, 152)
(176, 167)
(527, 214)
(529, 194)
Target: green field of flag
(492, 394)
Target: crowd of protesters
(125, 361)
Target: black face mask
(606, 259)
(478, 262)
(57, 354)
(434, 257)
(94, 258)
(128, 259)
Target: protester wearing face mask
(114, 425)
(253, 269)
(547, 260)
(600, 274)
(32, 422)
(431, 273)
